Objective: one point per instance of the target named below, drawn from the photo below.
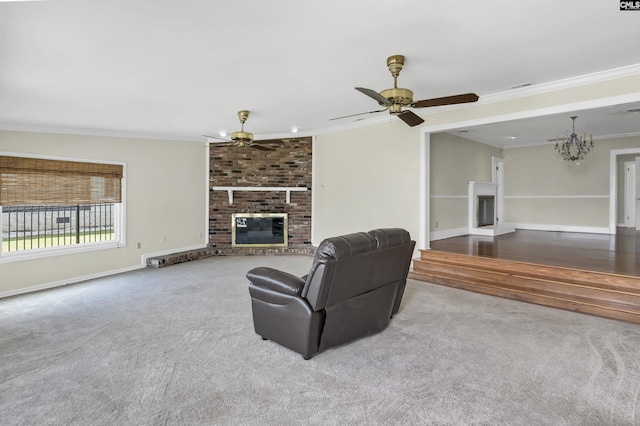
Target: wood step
(597, 293)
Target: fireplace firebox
(259, 230)
(485, 214)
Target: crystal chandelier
(573, 149)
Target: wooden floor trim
(607, 295)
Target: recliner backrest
(395, 249)
(341, 269)
(353, 264)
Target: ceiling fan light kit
(396, 98)
(241, 138)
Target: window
(48, 205)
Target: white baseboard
(67, 281)
(456, 232)
(448, 233)
(74, 280)
(562, 228)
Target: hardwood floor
(589, 273)
(616, 254)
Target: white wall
(543, 193)
(454, 162)
(165, 197)
(366, 178)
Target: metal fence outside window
(34, 227)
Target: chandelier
(573, 149)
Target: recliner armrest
(273, 279)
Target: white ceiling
(179, 69)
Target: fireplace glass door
(259, 229)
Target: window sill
(57, 251)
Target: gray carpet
(176, 346)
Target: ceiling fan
(396, 98)
(241, 138)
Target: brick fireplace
(244, 172)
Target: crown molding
(13, 127)
(567, 83)
(512, 94)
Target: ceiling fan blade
(446, 100)
(360, 113)
(262, 148)
(375, 95)
(410, 118)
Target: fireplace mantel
(287, 189)
(479, 189)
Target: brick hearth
(288, 166)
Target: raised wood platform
(606, 294)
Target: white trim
(424, 213)
(553, 86)
(64, 282)
(207, 207)
(561, 197)
(42, 253)
(539, 112)
(627, 204)
(121, 216)
(561, 228)
(313, 193)
(32, 128)
(613, 184)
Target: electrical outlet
(139, 245)
(163, 239)
(436, 224)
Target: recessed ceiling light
(223, 134)
(511, 137)
(294, 130)
(463, 131)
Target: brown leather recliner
(354, 287)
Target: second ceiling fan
(241, 138)
(396, 98)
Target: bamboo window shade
(34, 181)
